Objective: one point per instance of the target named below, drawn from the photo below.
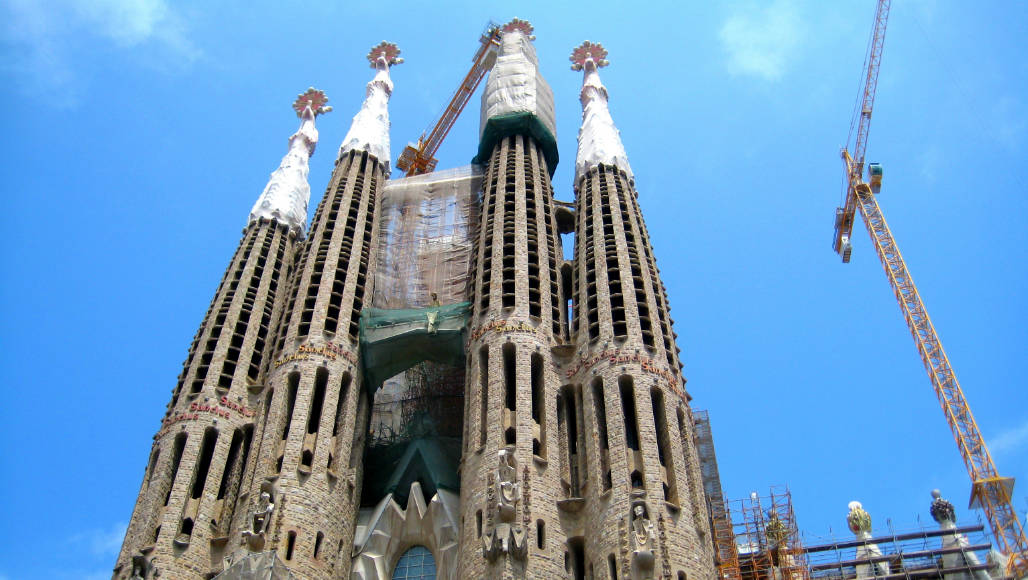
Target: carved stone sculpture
(942, 510)
(858, 520)
(775, 530)
(643, 539)
(143, 567)
(508, 487)
(260, 517)
(506, 537)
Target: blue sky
(140, 132)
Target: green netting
(431, 461)
(520, 123)
(392, 341)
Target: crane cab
(874, 173)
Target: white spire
(515, 84)
(287, 194)
(370, 129)
(599, 141)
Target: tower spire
(517, 99)
(370, 128)
(288, 192)
(599, 141)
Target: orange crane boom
(420, 158)
(990, 492)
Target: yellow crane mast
(990, 492)
(420, 158)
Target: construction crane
(990, 492)
(420, 158)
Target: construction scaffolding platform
(725, 550)
(767, 537)
(963, 553)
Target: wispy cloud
(1007, 122)
(40, 39)
(761, 41)
(1013, 439)
(102, 542)
(930, 160)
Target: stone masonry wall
(189, 490)
(518, 318)
(315, 424)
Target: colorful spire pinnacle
(287, 194)
(599, 141)
(519, 25)
(370, 128)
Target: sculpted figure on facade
(143, 568)
(509, 488)
(507, 537)
(260, 517)
(643, 539)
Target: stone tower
(192, 481)
(511, 479)
(303, 491)
(574, 457)
(640, 490)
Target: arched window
(416, 563)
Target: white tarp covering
(515, 85)
(288, 192)
(370, 128)
(426, 230)
(599, 141)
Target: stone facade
(577, 457)
(312, 429)
(193, 479)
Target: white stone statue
(509, 488)
(262, 513)
(644, 539)
(643, 528)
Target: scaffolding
(767, 537)
(426, 400)
(726, 552)
(427, 224)
(916, 554)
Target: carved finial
(859, 520)
(941, 510)
(386, 50)
(587, 51)
(314, 99)
(519, 25)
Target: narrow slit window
(510, 378)
(176, 460)
(318, 402)
(600, 406)
(294, 384)
(628, 411)
(483, 372)
(203, 465)
(538, 405)
(290, 545)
